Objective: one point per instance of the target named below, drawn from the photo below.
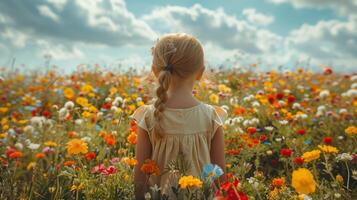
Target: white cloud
(47, 12)
(58, 4)
(214, 26)
(343, 7)
(58, 51)
(257, 18)
(17, 38)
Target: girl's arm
(217, 151)
(142, 152)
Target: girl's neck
(181, 97)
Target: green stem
(348, 175)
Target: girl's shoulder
(216, 111)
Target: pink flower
(98, 169)
(109, 171)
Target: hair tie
(169, 68)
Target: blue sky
(119, 34)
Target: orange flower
(72, 134)
(150, 167)
(109, 139)
(278, 182)
(16, 154)
(40, 155)
(69, 163)
(132, 138)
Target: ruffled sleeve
(219, 116)
(140, 115)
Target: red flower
(107, 106)
(328, 140)
(286, 152)
(16, 154)
(46, 113)
(280, 96)
(251, 130)
(291, 99)
(298, 160)
(109, 171)
(328, 71)
(301, 131)
(271, 99)
(263, 137)
(90, 156)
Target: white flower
(296, 106)
(269, 128)
(237, 119)
(99, 114)
(33, 146)
(269, 152)
(354, 78)
(246, 123)
(337, 195)
(283, 122)
(29, 129)
(147, 196)
(69, 105)
(19, 146)
(38, 121)
(351, 93)
(343, 111)
(321, 108)
(344, 157)
(278, 139)
(255, 121)
(354, 86)
(108, 99)
(63, 113)
(324, 93)
(78, 121)
(281, 103)
(86, 139)
(256, 104)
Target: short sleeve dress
(188, 131)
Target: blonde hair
(173, 55)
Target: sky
(117, 34)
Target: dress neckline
(184, 109)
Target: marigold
(129, 161)
(189, 181)
(214, 98)
(150, 167)
(69, 163)
(278, 182)
(51, 143)
(311, 155)
(303, 181)
(110, 139)
(40, 155)
(16, 154)
(68, 93)
(132, 138)
(328, 149)
(351, 130)
(77, 146)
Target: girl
(177, 123)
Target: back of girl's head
(180, 55)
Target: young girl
(177, 123)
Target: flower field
(289, 135)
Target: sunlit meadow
(289, 135)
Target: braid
(161, 92)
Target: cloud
(59, 51)
(257, 18)
(343, 7)
(332, 41)
(91, 22)
(47, 12)
(214, 26)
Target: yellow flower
(311, 155)
(214, 98)
(129, 161)
(3, 135)
(68, 93)
(51, 143)
(328, 149)
(351, 130)
(3, 109)
(303, 181)
(189, 181)
(31, 166)
(82, 101)
(339, 178)
(86, 88)
(77, 187)
(77, 146)
(86, 114)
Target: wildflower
(328, 140)
(351, 130)
(278, 182)
(77, 146)
(132, 138)
(68, 93)
(77, 187)
(286, 152)
(214, 98)
(82, 101)
(150, 167)
(328, 149)
(16, 154)
(109, 139)
(69, 105)
(339, 178)
(251, 130)
(69, 163)
(98, 169)
(31, 166)
(40, 155)
(298, 160)
(109, 171)
(211, 172)
(301, 131)
(129, 161)
(303, 181)
(344, 157)
(51, 143)
(189, 181)
(90, 156)
(311, 155)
